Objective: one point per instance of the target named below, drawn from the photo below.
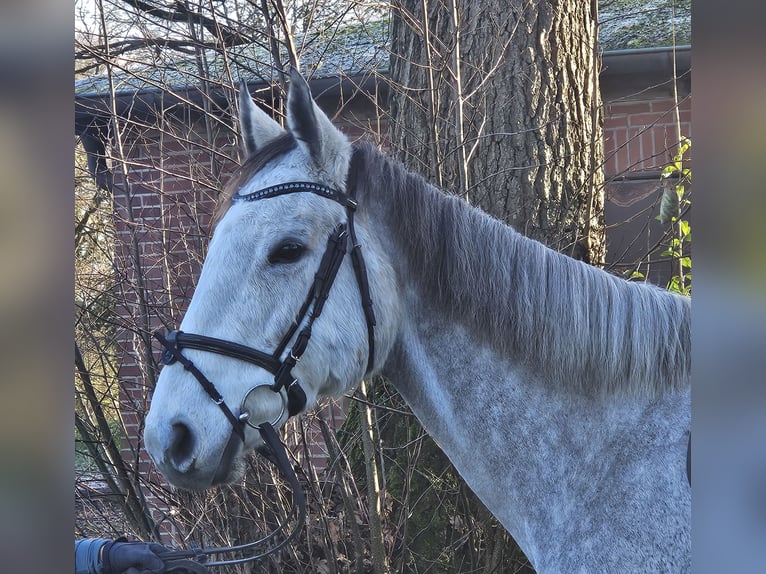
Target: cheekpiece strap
(297, 187)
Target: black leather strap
(360, 270)
(296, 187)
(209, 387)
(181, 340)
(328, 269)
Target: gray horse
(560, 393)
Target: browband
(297, 187)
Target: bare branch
(182, 13)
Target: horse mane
(571, 323)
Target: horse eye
(287, 252)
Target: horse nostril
(182, 447)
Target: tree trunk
(498, 102)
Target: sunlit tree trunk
(499, 101)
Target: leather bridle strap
(296, 187)
(360, 270)
(320, 290)
(180, 340)
(173, 350)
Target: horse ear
(257, 127)
(313, 130)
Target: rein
(285, 384)
(196, 560)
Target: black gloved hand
(132, 558)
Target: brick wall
(642, 135)
(164, 196)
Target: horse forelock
(273, 150)
(571, 323)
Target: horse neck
(479, 408)
(534, 455)
(522, 442)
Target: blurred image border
(729, 306)
(36, 284)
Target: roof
(356, 50)
(353, 50)
(640, 24)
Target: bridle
(324, 278)
(285, 383)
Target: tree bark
(499, 101)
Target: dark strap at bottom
(195, 561)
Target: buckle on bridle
(170, 345)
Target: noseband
(285, 383)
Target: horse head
(276, 262)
